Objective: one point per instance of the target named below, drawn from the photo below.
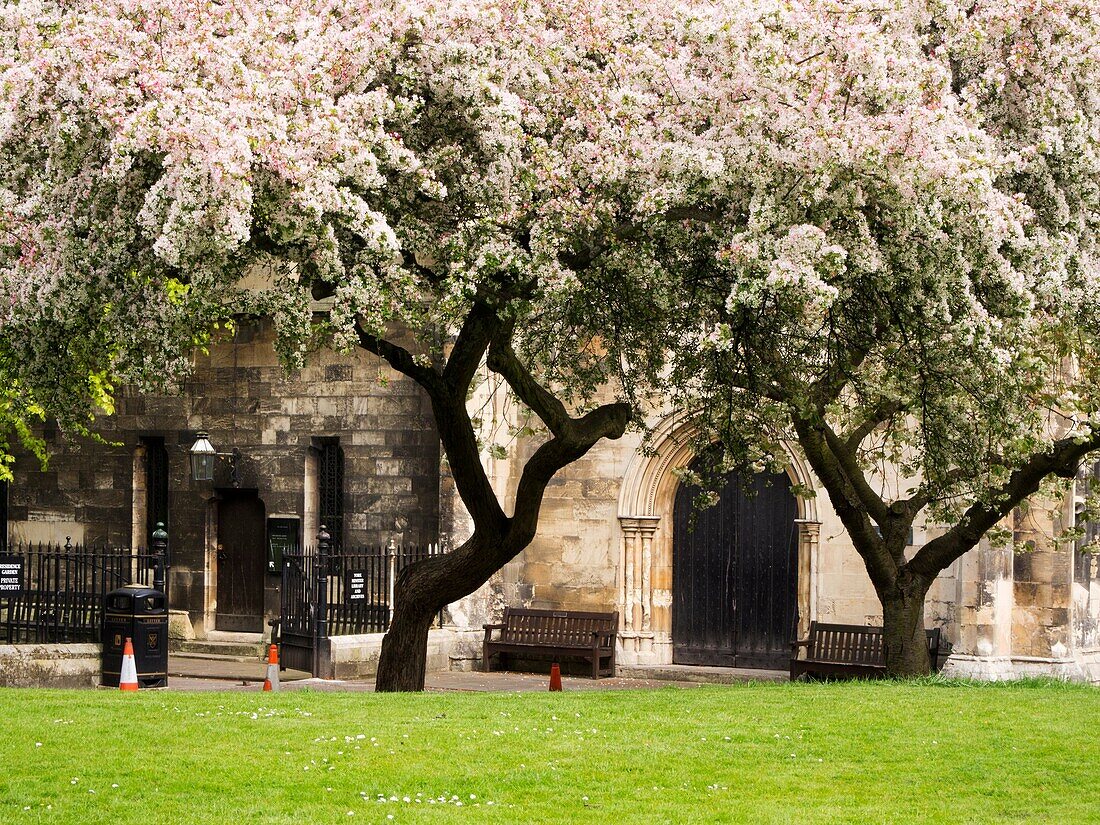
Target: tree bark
(421, 591)
(397, 669)
(905, 642)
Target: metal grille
(156, 486)
(3, 515)
(331, 490)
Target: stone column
(1042, 618)
(985, 604)
(636, 598)
(809, 534)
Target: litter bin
(139, 613)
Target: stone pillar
(139, 501)
(636, 598)
(1042, 618)
(985, 615)
(809, 534)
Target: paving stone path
(213, 674)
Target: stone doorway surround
(644, 583)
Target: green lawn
(756, 753)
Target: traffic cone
(555, 677)
(127, 679)
(272, 680)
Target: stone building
(351, 444)
(344, 442)
(614, 533)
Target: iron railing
(364, 605)
(55, 593)
(336, 591)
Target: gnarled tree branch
(1061, 460)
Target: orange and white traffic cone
(127, 679)
(272, 680)
(555, 677)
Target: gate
(296, 623)
(336, 591)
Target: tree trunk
(904, 639)
(422, 590)
(404, 649)
(427, 586)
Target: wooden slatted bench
(847, 650)
(558, 634)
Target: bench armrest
(795, 645)
(489, 628)
(599, 635)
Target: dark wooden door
(734, 575)
(242, 561)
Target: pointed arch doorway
(735, 573)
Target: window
(156, 486)
(330, 488)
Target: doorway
(734, 576)
(242, 560)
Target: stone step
(700, 674)
(216, 657)
(247, 651)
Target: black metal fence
(55, 593)
(336, 591)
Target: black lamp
(203, 457)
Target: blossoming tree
(418, 163)
(887, 254)
(865, 227)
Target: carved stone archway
(645, 569)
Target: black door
(734, 575)
(242, 561)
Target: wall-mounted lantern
(203, 456)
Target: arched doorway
(735, 574)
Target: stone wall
(242, 396)
(50, 665)
(574, 560)
(356, 657)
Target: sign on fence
(357, 585)
(11, 574)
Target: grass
(857, 752)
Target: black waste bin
(139, 613)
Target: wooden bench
(848, 650)
(555, 633)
